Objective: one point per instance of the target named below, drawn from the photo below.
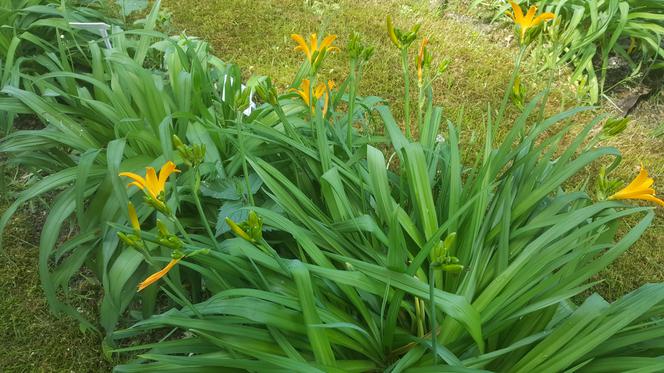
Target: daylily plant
(639, 188)
(528, 21)
(153, 186)
(321, 90)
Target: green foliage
(334, 249)
(588, 34)
(33, 32)
(117, 115)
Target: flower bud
(238, 231)
(452, 268)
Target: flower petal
(327, 41)
(166, 170)
(631, 194)
(151, 182)
(642, 180)
(518, 13)
(136, 184)
(138, 180)
(301, 45)
(313, 43)
(304, 92)
(543, 18)
(651, 198)
(528, 19)
(320, 89)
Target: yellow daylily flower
(310, 49)
(152, 184)
(529, 20)
(157, 275)
(420, 59)
(133, 218)
(321, 90)
(639, 188)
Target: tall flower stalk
(525, 25)
(402, 40)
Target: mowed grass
(645, 260)
(31, 338)
(255, 35)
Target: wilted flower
(157, 275)
(423, 58)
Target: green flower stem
(351, 105)
(506, 97)
(288, 127)
(432, 313)
(406, 103)
(182, 298)
(547, 92)
(181, 229)
(245, 169)
(312, 103)
(420, 106)
(266, 247)
(199, 207)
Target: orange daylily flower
(152, 184)
(313, 50)
(639, 188)
(529, 20)
(133, 218)
(157, 275)
(420, 59)
(321, 90)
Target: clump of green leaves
(589, 33)
(349, 252)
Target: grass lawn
(255, 35)
(33, 339)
